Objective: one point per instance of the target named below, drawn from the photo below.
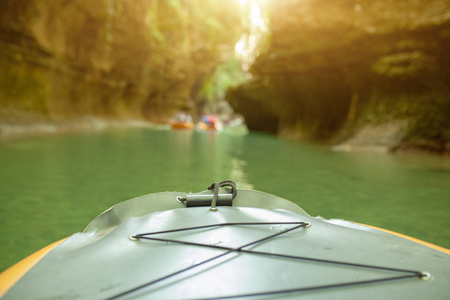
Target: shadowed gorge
(353, 73)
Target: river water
(53, 186)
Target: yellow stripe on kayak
(11, 275)
(436, 247)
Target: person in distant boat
(181, 116)
(204, 118)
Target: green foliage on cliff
(226, 75)
(111, 58)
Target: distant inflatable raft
(209, 127)
(182, 125)
(228, 243)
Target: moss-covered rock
(337, 65)
(110, 58)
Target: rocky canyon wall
(334, 68)
(109, 58)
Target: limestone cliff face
(334, 66)
(109, 58)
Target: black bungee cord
(148, 236)
(296, 225)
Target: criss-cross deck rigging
(226, 243)
(402, 273)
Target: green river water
(53, 186)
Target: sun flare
(246, 48)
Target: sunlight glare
(255, 17)
(246, 48)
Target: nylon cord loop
(215, 187)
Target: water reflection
(238, 174)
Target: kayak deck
(154, 247)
